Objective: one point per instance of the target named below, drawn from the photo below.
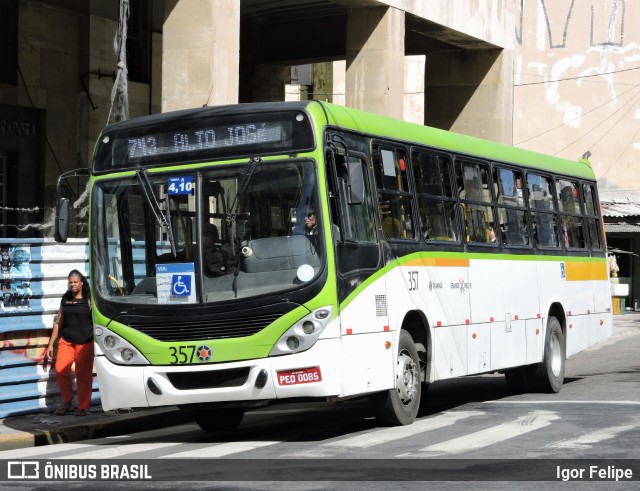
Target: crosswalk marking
(556, 401)
(58, 448)
(117, 451)
(220, 450)
(21, 453)
(588, 439)
(395, 433)
(489, 436)
(386, 435)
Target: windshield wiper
(254, 163)
(163, 221)
(244, 183)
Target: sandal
(81, 412)
(62, 410)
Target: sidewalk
(43, 429)
(34, 430)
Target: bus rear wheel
(549, 375)
(399, 406)
(216, 419)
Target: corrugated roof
(626, 228)
(620, 209)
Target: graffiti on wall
(606, 26)
(15, 276)
(17, 347)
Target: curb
(101, 425)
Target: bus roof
(325, 113)
(386, 127)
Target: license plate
(302, 376)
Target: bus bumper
(313, 373)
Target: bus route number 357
(300, 376)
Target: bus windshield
(207, 236)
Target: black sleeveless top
(77, 325)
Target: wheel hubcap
(555, 355)
(406, 378)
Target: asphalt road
(470, 431)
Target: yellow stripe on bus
(439, 261)
(585, 271)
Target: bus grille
(201, 328)
(213, 379)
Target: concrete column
(375, 60)
(296, 92)
(471, 92)
(414, 88)
(200, 53)
(268, 83)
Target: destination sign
(196, 139)
(201, 136)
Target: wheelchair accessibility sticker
(176, 283)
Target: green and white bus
(249, 253)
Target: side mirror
(356, 182)
(62, 220)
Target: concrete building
(558, 77)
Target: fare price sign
(180, 185)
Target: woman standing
(74, 326)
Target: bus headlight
(117, 349)
(293, 343)
(109, 342)
(308, 327)
(304, 333)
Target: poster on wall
(15, 278)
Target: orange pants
(82, 355)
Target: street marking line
(20, 453)
(395, 433)
(219, 450)
(615, 403)
(386, 435)
(116, 451)
(490, 436)
(588, 439)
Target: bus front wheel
(399, 406)
(210, 419)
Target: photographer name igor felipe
(594, 472)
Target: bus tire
(211, 419)
(549, 375)
(399, 406)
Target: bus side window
(476, 200)
(394, 195)
(355, 219)
(570, 214)
(593, 218)
(543, 216)
(355, 241)
(512, 213)
(432, 175)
